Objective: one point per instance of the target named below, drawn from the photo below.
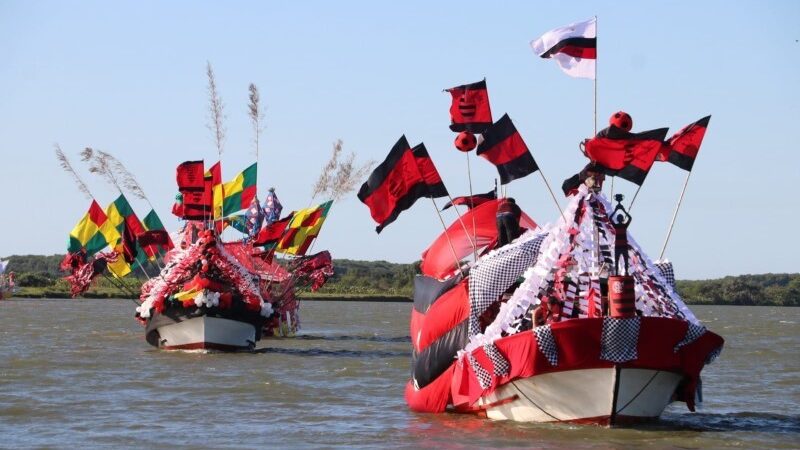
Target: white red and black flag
(573, 47)
(503, 146)
(470, 109)
(681, 149)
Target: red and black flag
(129, 250)
(429, 173)
(271, 234)
(681, 149)
(473, 200)
(196, 194)
(398, 182)
(470, 109)
(154, 238)
(503, 146)
(626, 155)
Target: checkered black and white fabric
(484, 379)
(619, 340)
(546, 343)
(713, 355)
(667, 271)
(496, 272)
(693, 333)
(499, 361)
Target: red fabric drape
(437, 260)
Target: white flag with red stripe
(573, 47)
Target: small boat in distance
(8, 281)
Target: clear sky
(129, 78)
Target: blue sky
(128, 78)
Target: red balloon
(465, 141)
(621, 119)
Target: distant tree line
(41, 274)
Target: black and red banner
(470, 109)
(154, 238)
(196, 192)
(473, 200)
(503, 146)
(429, 173)
(681, 149)
(271, 234)
(626, 155)
(129, 251)
(399, 181)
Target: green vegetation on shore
(38, 276)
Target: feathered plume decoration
(215, 109)
(65, 164)
(323, 183)
(338, 178)
(99, 164)
(256, 116)
(114, 171)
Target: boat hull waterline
(603, 396)
(207, 333)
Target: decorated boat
(542, 330)
(207, 294)
(206, 289)
(565, 322)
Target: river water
(79, 373)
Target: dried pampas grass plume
(215, 109)
(256, 115)
(340, 177)
(65, 164)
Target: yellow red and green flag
(121, 215)
(239, 192)
(93, 232)
(303, 229)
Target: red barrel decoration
(621, 297)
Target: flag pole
(634, 197)
(450, 242)
(595, 77)
(551, 193)
(121, 286)
(461, 221)
(675, 215)
(474, 239)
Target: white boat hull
(605, 396)
(207, 333)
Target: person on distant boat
(508, 216)
(620, 219)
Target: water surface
(79, 373)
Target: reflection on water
(80, 373)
